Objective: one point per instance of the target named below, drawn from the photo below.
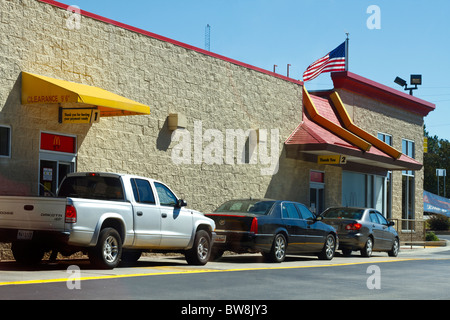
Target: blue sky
(413, 37)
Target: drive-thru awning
(326, 132)
(38, 89)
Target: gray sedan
(362, 229)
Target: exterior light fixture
(416, 80)
(400, 82)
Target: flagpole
(346, 52)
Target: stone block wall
(214, 94)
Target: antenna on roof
(208, 37)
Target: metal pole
(346, 52)
(438, 184)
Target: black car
(362, 229)
(273, 227)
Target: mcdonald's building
(114, 98)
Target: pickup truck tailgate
(32, 213)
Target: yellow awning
(37, 89)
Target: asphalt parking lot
(12, 273)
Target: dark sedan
(362, 229)
(274, 228)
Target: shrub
(431, 236)
(439, 222)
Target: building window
(408, 184)
(364, 190)
(387, 138)
(5, 141)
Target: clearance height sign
(48, 99)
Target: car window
(382, 219)
(142, 191)
(305, 213)
(343, 213)
(374, 218)
(289, 211)
(259, 207)
(166, 197)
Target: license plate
(220, 238)
(24, 235)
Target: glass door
(47, 180)
(51, 173)
(316, 198)
(317, 192)
(64, 168)
(57, 158)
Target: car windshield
(246, 206)
(343, 213)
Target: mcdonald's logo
(58, 143)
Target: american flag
(333, 61)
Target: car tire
(106, 254)
(201, 250)
(277, 253)
(395, 248)
(368, 248)
(329, 248)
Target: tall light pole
(441, 173)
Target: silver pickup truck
(111, 217)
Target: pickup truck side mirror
(181, 203)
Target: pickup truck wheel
(201, 250)
(27, 253)
(106, 254)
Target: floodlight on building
(400, 81)
(416, 80)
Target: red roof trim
(377, 91)
(174, 42)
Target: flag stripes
(332, 62)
